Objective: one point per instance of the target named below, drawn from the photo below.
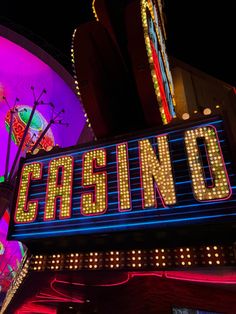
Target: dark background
(200, 32)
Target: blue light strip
(154, 212)
(117, 227)
(187, 210)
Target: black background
(200, 32)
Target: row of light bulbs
(136, 259)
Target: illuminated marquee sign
(171, 178)
(157, 57)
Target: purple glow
(10, 255)
(19, 70)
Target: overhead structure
(122, 67)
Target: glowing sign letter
(221, 186)
(159, 171)
(59, 185)
(26, 211)
(123, 177)
(94, 203)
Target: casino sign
(181, 175)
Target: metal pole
(9, 145)
(42, 135)
(22, 140)
(46, 129)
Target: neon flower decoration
(11, 254)
(24, 65)
(38, 124)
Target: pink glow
(62, 295)
(30, 307)
(10, 256)
(191, 276)
(221, 278)
(38, 303)
(118, 283)
(19, 70)
(229, 278)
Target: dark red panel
(104, 82)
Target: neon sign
(157, 57)
(183, 175)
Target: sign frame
(189, 232)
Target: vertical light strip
(158, 171)
(123, 178)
